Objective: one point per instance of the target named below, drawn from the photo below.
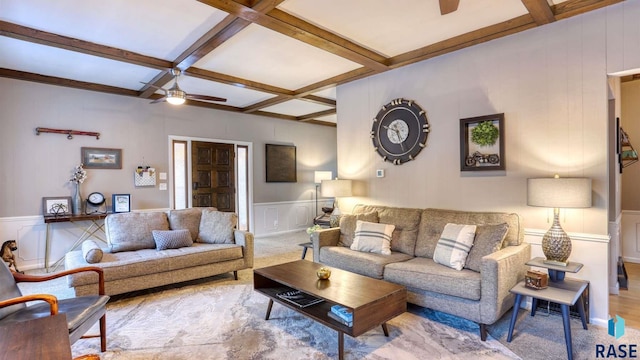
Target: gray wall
(32, 167)
(630, 122)
(551, 84)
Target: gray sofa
(481, 295)
(201, 243)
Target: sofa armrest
(324, 237)
(245, 239)
(499, 273)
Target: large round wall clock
(399, 131)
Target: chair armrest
(52, 300)
(38, 278)
(499, 273)
(324, 237)
(246, 240)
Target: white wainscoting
(592, 251)
(30, 233)
(282, 217)
(631, 236)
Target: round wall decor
(399, 131)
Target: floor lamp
(318, 176)
(558, 193)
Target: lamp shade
(336, 188)
(318, 176)
(559, 192)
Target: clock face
(399, 131)
(96, 198)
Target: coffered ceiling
(266, 57)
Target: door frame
(236, 143)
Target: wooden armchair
(81, 312)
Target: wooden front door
(213, 175)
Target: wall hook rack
(69, 133)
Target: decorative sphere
(323, 273)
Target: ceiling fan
(448, 6)
(176, 96)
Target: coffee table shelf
(373, 302)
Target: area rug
(223, 320)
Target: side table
(565, 292)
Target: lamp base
(556, 244)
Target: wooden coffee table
(373, 302)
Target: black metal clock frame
(399, 131)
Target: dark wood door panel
(213, 174)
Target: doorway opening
(210, 172)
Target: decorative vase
(77, 201)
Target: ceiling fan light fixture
(176, 97)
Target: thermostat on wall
(380, 173)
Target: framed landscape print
(280, 163)
(101, 158)
(482, 143)
(121, 203)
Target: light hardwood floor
(627, 304)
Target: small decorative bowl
(323, 273)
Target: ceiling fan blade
(205, 98)
(448, 6)
(162, 99)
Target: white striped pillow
(373, 237)
(454, 245)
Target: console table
(566, 292)
(42, 338)
(91, 225)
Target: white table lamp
(558, 193)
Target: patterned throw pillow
(454, 245)
(216, 227)
(373, 237)
(489, 239)
(348, 225)
(91, 252)
(172, 239)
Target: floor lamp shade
(558, 193)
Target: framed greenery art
(482, 143)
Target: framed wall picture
(56, 206)
(121, 203)
(280, 163)
(101, 158)
(482, 143)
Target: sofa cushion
(132, 231)
(91, 252)
(348, 226)
(425, 274)
(489, 239)
(186, 219)
(131, 264)
(434, 220)
(406, 220)
(171, 239)
(454, 245)
(367, 264)
(373, 237)
(216, 227)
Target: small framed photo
(482, 143)
(101, 158)
(121, 203)
(56, 206)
